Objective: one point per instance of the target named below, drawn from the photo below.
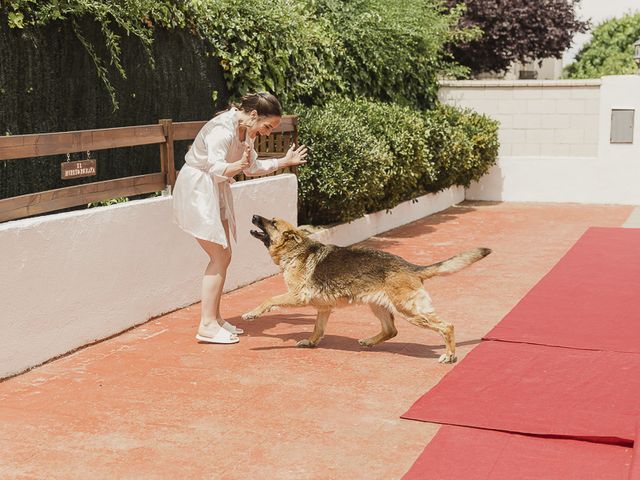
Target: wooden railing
(164, 134)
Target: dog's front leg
(318, 330)
(285, 300)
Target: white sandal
(216, 335)
(232, 328)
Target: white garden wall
(556, 118)
(73, 278)
(555, 139)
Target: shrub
(347, 167)
(464, 145)
(402, 129)
(367, 156)
(392, 51)
(301, 50)
(271, 45)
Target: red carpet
(539, 390)
(564, 373)
(590, 299)
(459, 453)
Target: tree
(610, 50)
(516, 30)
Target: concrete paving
(153, 403)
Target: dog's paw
(305, 344)
(366, 342)
(445, 358)
(250, 316)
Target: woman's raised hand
(235, 168)
(295, 156)
(245, 161)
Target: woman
(202, 200)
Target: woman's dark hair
(264, 103)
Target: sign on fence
(82, 168)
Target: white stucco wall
(73, 278)
(555, 118)
(619, 92)
(560, 179)
(558, 150)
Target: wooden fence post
(167, 160)
(295, 141)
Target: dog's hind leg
(388, 327)
(433, 322)
(419, 311)
(285, 300)
(318, 330)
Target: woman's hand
(295, 156)
(235, 168)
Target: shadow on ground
(260, 326)
(411, 230)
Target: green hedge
(348, 166)
(304, 51)
(99, 63)
(367, 156)
(464, 145)
(389, 50)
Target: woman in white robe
(202, 200)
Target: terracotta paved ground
(153, 403)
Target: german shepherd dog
(327, 276)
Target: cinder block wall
(543, 117)
(555, 139)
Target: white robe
(202, 194)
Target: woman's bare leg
(213, 279)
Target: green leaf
(16, 20)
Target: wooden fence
(164, 134)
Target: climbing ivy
(304, 51)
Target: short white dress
(202, 194)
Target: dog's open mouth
(259, 234)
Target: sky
(598, 11)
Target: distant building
(548, 69)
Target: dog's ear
(293, 235)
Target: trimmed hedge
(348, 166)
(367, 156)
(464, 145)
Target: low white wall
(73, 278)
(374, 223)
(560, 179)
(555, 139)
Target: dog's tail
(453, 264)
